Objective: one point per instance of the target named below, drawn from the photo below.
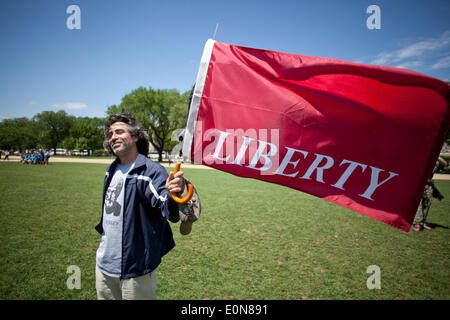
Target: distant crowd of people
(35, 157)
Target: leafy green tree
(55, 127)
(69, 143)
(160, 112)
(18, 134)
(82, 144)
(88, 132)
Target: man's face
(120, 140)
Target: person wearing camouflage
(430, 191)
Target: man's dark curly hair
(134, 127)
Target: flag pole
(215, 31)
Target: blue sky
(126, 44)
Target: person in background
(429, 193)
(46, 157)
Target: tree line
(161, 111)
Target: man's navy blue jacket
(146, 235)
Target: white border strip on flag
(197, 97)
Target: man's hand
(175, 184)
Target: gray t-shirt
(109, 253)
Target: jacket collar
(139, 162)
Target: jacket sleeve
(159, 197)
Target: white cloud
(383, 58)
(422, 47)
(70, 106)
(3, 117)
(441, 63)
(32, 102)
(410, 64)
(422, 53)
(99, 114)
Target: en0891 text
(249, 309)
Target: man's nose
(113, 136)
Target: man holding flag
(137, 202)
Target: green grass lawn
(254, 240)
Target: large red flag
(362, 136)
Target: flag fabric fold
(364, 137)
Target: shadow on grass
(435, 225)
